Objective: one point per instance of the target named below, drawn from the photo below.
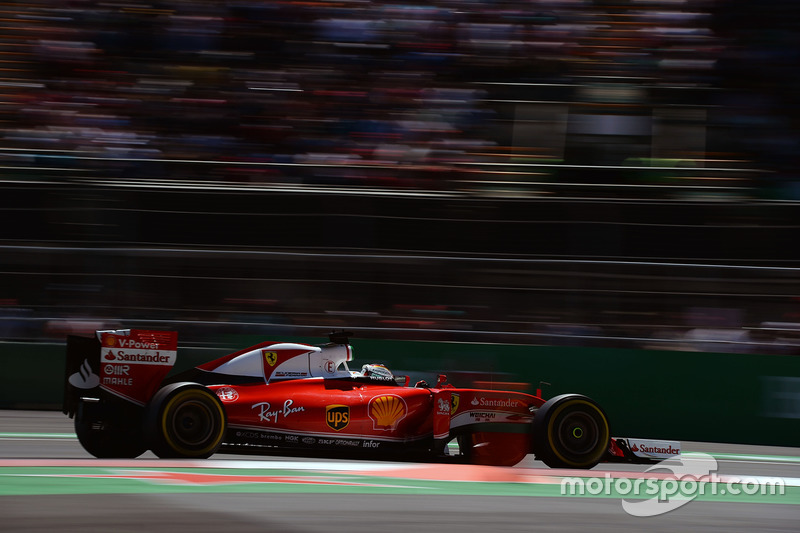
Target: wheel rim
(192, 423)
(577, 433)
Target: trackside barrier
(737, 398)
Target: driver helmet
(377, 372)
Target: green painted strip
(749, 457)
(69, 480)
(38, 436)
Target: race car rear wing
(83, 358)
(128, 364)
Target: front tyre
(185, 420)
(570, 431)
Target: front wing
(630, 450)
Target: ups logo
(337, 416)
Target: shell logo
(387, 411)
(110, 341)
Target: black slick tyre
(185, 420)
(570, 431)
(110, 432)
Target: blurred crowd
(393, 94)
(353, 83)
(710, 330)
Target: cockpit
(287, 361)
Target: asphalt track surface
(49, 483)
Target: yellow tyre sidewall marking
(182, 396)
(605, 432)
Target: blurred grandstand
(609, 173)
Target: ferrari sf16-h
(291, 398)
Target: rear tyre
(98, 434)
(185, 420)
(570, 431)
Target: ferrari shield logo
(454, 401)
(337, 416)
(271, 358)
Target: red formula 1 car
(303, 399)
